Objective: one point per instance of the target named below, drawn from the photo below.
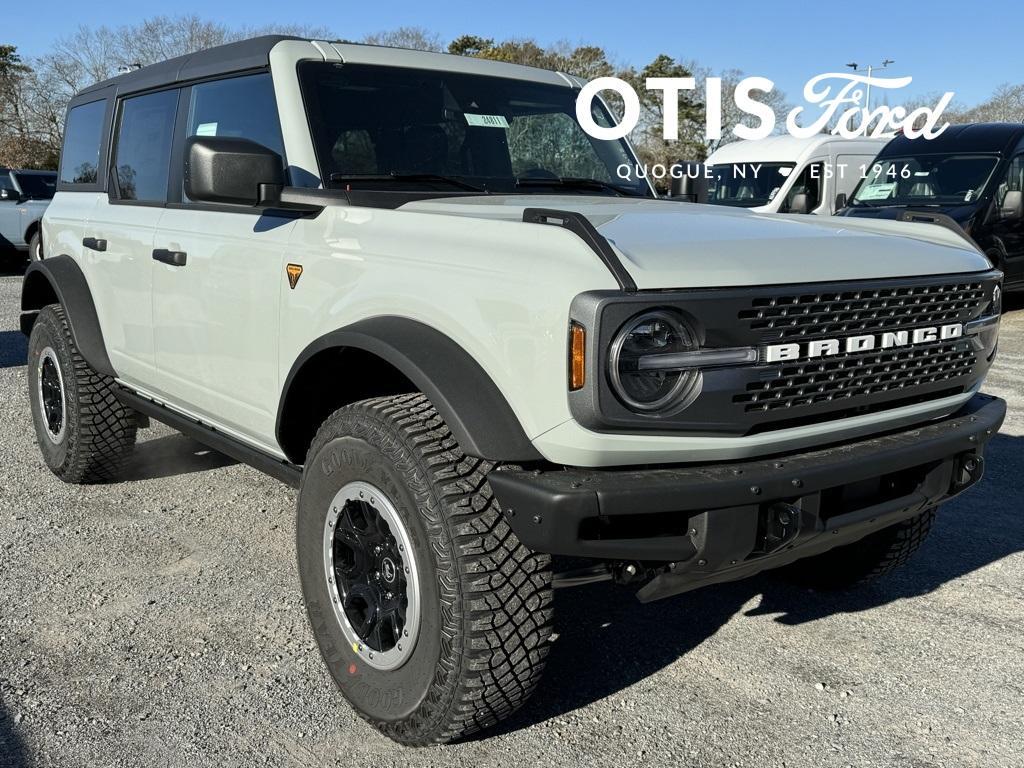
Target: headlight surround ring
(653, 392)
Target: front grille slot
(848, 377)
(869, 309)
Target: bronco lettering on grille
(778, 353)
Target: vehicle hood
(669, 244)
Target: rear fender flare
(62, 279)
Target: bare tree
(407, 37)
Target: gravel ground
(158, 622)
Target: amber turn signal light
(577, 356)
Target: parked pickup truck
(24, 196)
(412, 286)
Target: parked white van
(783, 174)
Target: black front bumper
(725, 521)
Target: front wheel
(433, 619)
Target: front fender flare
(60, 277)
(473, 407)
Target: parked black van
(974, 174)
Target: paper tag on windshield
(877, 191)
(206, 129)
(487, 121)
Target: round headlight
(650, 390)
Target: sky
(968, 48)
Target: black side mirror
(689, 182)
(840, 202)
(801, 203)
(221, 169)
(1013, 205)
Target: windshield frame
(763, 165)
(853, 202)
(459, 184)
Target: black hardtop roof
(231, 57)
(974, 137)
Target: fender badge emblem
(294, 273)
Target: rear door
(118, 244)
(215, 313)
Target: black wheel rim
(370, 575)
(371, 572)
(51, 395)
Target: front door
(217, 287)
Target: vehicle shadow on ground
(170, 456)
(12, 750)
(12, 265)
(608, 641)
(13, 349)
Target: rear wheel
(35, 247)
(863, 561)
(432, 618)
(84, 432)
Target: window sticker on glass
(487, 121)
(877, 191)
(206, 129)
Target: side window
(143, 155)
(1014, 181)
(810, 184)
(5, 181)
(83, 136)
(240, 107)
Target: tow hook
(968, 470)
(778, 525)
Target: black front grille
(831, 313)
(858, 375)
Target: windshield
(392, 128)
(946, 179)
(38, 186)
(746, 184)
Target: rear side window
(143, 156)
(80, 160)
(240, 107)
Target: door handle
(174, 258)
(94, 244)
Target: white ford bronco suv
(410, 285)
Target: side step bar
(215, 439)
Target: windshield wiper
(359, 177)
(575, 182)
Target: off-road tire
(100, 431)
(485, 599)
(35, 247)
(863, 561)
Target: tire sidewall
(395, 695)
(47, 332)
(35, 247)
